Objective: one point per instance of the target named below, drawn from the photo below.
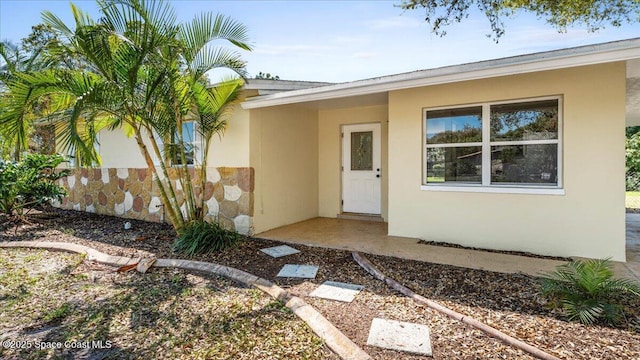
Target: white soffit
(579, 56)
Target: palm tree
(145, 74)
(587, 290)
(16, 115)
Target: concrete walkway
(371, 238)
(633, 245)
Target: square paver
(280, 251)
(338, 291)
(298, 271)
(400, 336)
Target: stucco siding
(232, 149)
(229, 150)
(588, 220)
(284, 154)
(119, 151)
(330, 153)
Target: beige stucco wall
(232, 149)
(587, 221)
(119, 151)
(330, 154)
(284, 154)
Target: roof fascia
(552, 60)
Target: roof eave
(558, 59)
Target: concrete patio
(371, 238)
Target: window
(71, 153)
(513, 144)
(191, 141)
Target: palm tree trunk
(169, 207)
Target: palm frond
(586, 290)
(206, 28)
(57, 24)
(209, 58)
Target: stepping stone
(338, 291)
(279, 251)
(298, 271)
(400, 336)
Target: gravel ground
(508, 302)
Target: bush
(199, 236)
(587, 291)
(30, 182)
(632, 161)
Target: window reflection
(525, 164)
(454, 125)
(454, 164)
(537, 120)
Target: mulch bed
(508, 302)
(518, 253)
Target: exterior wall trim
(494, 189)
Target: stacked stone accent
(132, 193)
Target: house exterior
(523, 153)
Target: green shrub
(199, 236)
(632, 160)
(587, 291)
(30, 182)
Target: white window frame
(197, 143)
(486, 186)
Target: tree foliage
(267, 76)
(593, 14)
(145, 73)
(40, 50)
(29, 182)
(632, 159)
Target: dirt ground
(508, 302)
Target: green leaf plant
(587, 291)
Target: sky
(339, 41)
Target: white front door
(361, 172)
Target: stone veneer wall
(131, 193)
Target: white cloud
(364, 55)
(289, 50)
(396, 22)
(351, 40)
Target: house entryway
(361, 169)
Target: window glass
(454, 164)
(188, 134)
(537, 120)
(523, 145)
(525, 164)
(362, 150)
(449, 126)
